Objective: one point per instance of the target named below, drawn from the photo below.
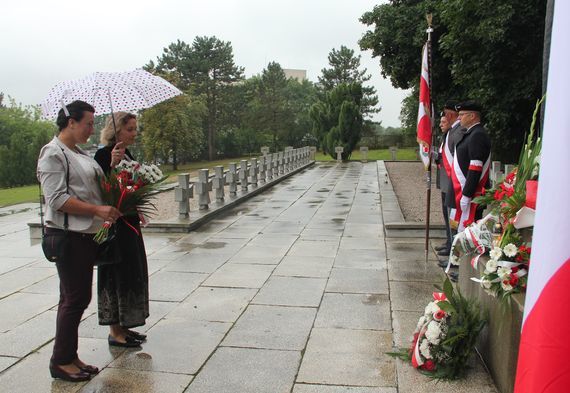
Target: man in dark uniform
(471, 162)
(450, 126)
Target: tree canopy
(486, 50)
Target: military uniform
(470, 174)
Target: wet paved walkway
(295, 291)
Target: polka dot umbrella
(109, 92)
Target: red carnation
(439, 315)
(429, 365)
(514, 280)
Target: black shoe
(57, 372)
(136, 335)
(441, 247)
(443, 253)
(442, 263)
(130, 342)
(453, 276)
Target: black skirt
(123, 287)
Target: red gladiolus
(510, 178)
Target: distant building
(300, 75)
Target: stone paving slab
(358, 281)
(414, 271)
(410, 296)
(29, 336)
(19, 307)
(303, 266)
(173, 286)
(348, 357)
(214, 304)
(272, 327)
(119, 381)
(240, 276)
(247, 370)
(291, 291)
(177, 346)
(352, 311)
(361, 259)
(304, 388)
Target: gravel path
(408, 180)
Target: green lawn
(13, 196)
(407, 154)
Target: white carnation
(510, 250)
(504, 272)
(491, 266)
(421, 323)
(496, 253)
(506, 286)
(424, 349)
(433, 332)
(431, 308)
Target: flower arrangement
(506, 271)
(129, 187)
(445, 335)
(518, 189)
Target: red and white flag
(544, 352)
(424, 119)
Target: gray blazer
(51, 173)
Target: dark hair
(76, 110)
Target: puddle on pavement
(212, 245)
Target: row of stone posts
(251, 172)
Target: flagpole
(429, 30)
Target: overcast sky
(44, 42)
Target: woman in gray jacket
(79, 200)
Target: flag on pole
(424, 120)
(543, 364)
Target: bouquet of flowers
(445, 335)
(506, 271)
(129, 187)
(518, 190)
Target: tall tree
(172, 130)
(488, 50)
(206, 68)
(337, 119)
(345, 68)
(272, 111)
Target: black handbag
(56, 242)
(108, 252)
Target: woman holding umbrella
(123, 287)
(73, 199)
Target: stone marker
(243, 175)
(312, 152)
(269, 166)
(264, 150)
(393, 151)
(218, 182)
(364, 153)
(182, 193)
(203, 188)
(253, 171)
(262, 168)
(339, 150)
(232, 178)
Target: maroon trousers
(75, 281)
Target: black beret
(450, 105)
(469, 105)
